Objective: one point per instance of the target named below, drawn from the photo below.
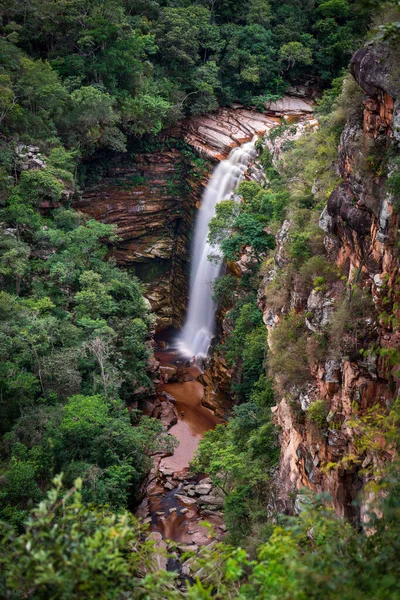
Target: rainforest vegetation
(79, 78)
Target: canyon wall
(361, 226)
(150, 197)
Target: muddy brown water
(190, 427)
(174, 519)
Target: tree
(259, 13)
(14, 260)
(8, 97)
(69, 550)
(92, 121)
(295, 53)
(110, 377)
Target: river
(175, 503)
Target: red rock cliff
(361, 235)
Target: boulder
(211, 500)
(288, 105)
(160, 556)
(185, 499)
(168, 414)
(168, 372)
(203, 489)
(165, 471)
(188, 548)
(374, 67)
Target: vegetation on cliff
(79, 77)
(319, 314)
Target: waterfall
(199, 327)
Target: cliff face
(361, 236)
(152, 197)
(150, 201)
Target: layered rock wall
(148, 199)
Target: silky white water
(199, 328)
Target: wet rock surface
(146, 197)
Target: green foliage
(288, 357)
(295, 52)
(393, 186)
(317, 273)
(69, 550)
(239, 225)
(350, 325)
(232, 229)
(239, 457)
(73, 327)
(245, 347)
(317, 413)
(89, 437)
(106, 70)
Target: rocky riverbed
(176, 502)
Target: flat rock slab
(203, 489)
(185, 499)
(214, 135)
(189, 548)
(211, 500)
(288, 105)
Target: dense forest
(82, 79)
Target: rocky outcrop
(375, 68)
(290, 106)
(149, 200)
(29, 157)
(217, 379)
(214, 135)
(362, 229)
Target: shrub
(277, 291)
(317, 413)
(288, 352)
(393, 186)
(317, 271)
(350, 322)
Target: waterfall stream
(199, 327)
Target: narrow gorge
(199, 299)
(155, 222)
(175, 502)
